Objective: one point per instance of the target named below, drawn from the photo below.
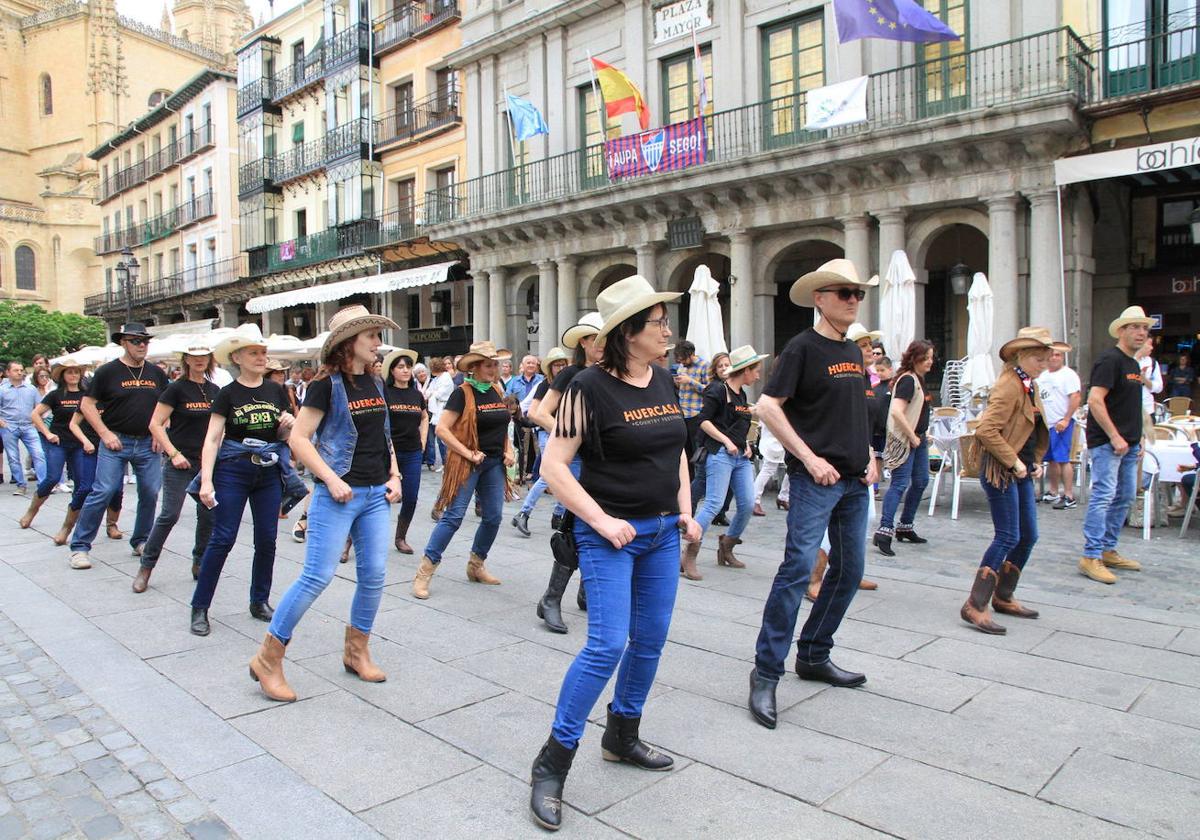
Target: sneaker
(1065, 503)
(19, 490)
(1094, 568)
(1048, 497)
(80, 560)
(300, 529)
(1114, 560)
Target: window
(158, 208)
(191, 187)
(144, 209)
(174, 261)
(206, 113)
(681, 84)
(793, 62)
(414, 310)
(208, 181)
(404, 198)
(943, 83)
(158, 266)
(157, 98)
(595, 170)
(297, 133)
(141, 152)
(210, 251)
(301, 223)
(444, 81)
(46, 95)
(1149, 44)
(26, 269)
(129, 217)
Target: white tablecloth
(1170, 457)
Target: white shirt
(1152, 374)
(221, 377)
(1056, 388)
(439, 392)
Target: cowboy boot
(420, 584)
(266, 669)
(581, 596)
(64, 533)
(547, 779)
(687, 561)
(549, 609)
(817, 575)
(758, 510)
(975, 611)
(478, 573)
(621, 743)
(402, 537)
(1003, 601)
(35, 504)
(725, 556)
(868, 585)
(356, 658)
(114, 533)
(142, 580)
(345, 558)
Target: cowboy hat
(589, 324)
(133, 329)
(481, 351)
(278, 364)
(391, 358)
(1035, 338)
(58, 368)
(247, 335)
(833, 273)
(858, 332)
(626, 298)
(1131, 315)
(196, 348)
(743, 357)
(556, 354)
(350, 321)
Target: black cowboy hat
(133, 328)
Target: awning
(391, 281)
(204, 325)
(1141, 160)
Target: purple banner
(675, 146)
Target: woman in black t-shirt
(907, 450)
(409, 417)
(474, 427)
(631, 499)
(61, 446)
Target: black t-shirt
(1121, 375)
(371, 463)
(404, 410)
(729, 412)
(128, 395)
(632, 439)
(879, 399)
(63, 405)
(491, 418)
(191, 406)
(539, 393)
(822, 384)
(565, 376)
(251, 412)
(905, 388)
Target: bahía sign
(675, 146)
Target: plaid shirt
(690, 399)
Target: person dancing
(60, 444)
(553, 365)
(409, 418)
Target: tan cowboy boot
(420, 584)
(114, 533)
(1003, 601)
(975, 611)
(356, 658)
(266, 669)
(725, 556)
(35, 504)
(64, 533)
(478, 573)
(817, 575)
(687, 561)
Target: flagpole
(603, 124)
(512, 129)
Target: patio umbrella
(705, 329)
(286, 348)
(92, 356)
(979, 372)
(897, 309)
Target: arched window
(157, 98)
(26, 269)
(46, 91)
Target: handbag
(562, 543)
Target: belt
(130, 434)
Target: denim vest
(336, 435)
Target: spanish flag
(621, 96)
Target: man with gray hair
(523, 385)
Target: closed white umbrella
(897, 309)
(705, 329)
(979, 373)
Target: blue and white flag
(892, 20)
(844, 103)
(527, 120)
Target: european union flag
(892, 20)
(527, 120)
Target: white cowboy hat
(350, 321)
(1131, 315)
(743, 357)
(390, 359)
(838, 272)
(556, 354)
(589, 324)
(1036, 338)
(247, 335)
(628, 297)
(858, 332)
(196, 348)
(480, 351)
(58, 368)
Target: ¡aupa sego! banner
(675, 146)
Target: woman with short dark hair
(410, 424)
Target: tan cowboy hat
(59, 368)
(1036, 338)
(196, 348)
(589, 324)
(480, 351)
(628, 297)
(556, 354)
(390, 359)
(350, 321)
(833, 273)
(743, 357)
(247, 335)
(1131, 315)
(858, 332)
(277, 364)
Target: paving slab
(1124, 658)
(438, 635)
(1188, 641)
(1173, 703)
(898, 679)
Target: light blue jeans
(723, 471)
(110, 476)
(487, 480)
(366, 519)
(1114, 484)
(24, 433)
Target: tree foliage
(30, 329)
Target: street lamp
(127, 276)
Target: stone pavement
(1083, 723)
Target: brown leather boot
(1003, 601)
(356, 658)
(687, 561)
(114, 533)
(868, 585)
(35, 504)
(420, 584)
(266, 669)
(817, 575)
(725, 556)
(402, 537)
(142, 579)
(975, 611)
(478, 573)
(64, 533)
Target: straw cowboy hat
(628, 297)
(196, 348)
(858, 332)
(481, 351)
(247, 335)
(277, 364)
(589, 324)
(133, 329)
(556, 354)
(833, 273)
(1035, 338)
(744, 356)
(1131, 315)
(390, 358)
(59, 368)
(349, 322)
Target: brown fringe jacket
(1005, 426)
(458, 468)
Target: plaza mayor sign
(674, 20)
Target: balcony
(194, 142)
(255, 95)
(108, 243)
(347, 240)
(298, 77)
(407, 23)
(190, 144)
(1130, 63)
(301, 160)
(402, 224)
(156, 227)
(428, 116)
(347, 47)
(196, 209)
(257, 175)
(186, 282)
(313, 156)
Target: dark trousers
(410, 482)
(174, 494)
(1014, 515)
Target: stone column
(272, 322)
(547, 306)
(228, 313)
(325, 311)
(645, 261)
(479, 318)
(891, 238)
(568, 292)
(741, 296)
(1045, 268)
(1002, 266)
(497, 328)
(395, 306)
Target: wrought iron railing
(299, 161)
(255, 95)
(257, 174)
(212, 275)
(195, 141)
(436, 111)
(350, 43)
(347, 240)
(191, 143)
(196, 209)
(297, 77)
(347, 139)
(315, 155)
(1133, 61)
(410, 21)
(400, 224)
(158, 226)
(107, 243)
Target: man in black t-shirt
(1114, 434)
(128, 388)
(815, 404)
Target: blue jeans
(488, 480)
(409, 464)
(842, 508)
(1014, 515)
(235, 482)
(909, 481)
(722, 473)
(71, 456)
(431, 454)
(24, 433)
(539, 487)
(110, 478)
(631, 594)
(174, 495)
(1114, 484)
(365, 519)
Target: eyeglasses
(662, 323)
(846, 294)
(137, 342)
(876, 352)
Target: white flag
(842, 104)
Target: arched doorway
(681, 280)
(798, 259)
(945, 310)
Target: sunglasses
(846, 294)
(136, 342)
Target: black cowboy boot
(549, 775)
(883, 541)
(621, 743)
(762, 699)
(905, 533)
(549, 609)
(581, 596)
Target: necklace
(138, 375)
